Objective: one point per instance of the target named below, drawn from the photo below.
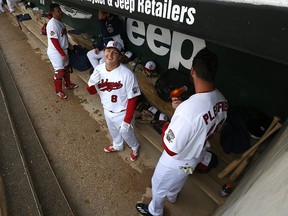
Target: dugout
(250, 40)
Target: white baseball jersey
(116, 87)
(1, 8)
(193, 122)
(56, 29)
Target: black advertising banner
(260, 30)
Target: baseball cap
(163, 117)
(114, 44)
(153, 110)
(150, 66)
(128, 56)
(150, 69)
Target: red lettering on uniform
(206, 117)
(219, 107)
(210, 116)
(215, 109)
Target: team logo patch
(170, 136)
(135, 90)
(52, 33)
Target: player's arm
(176, 135)
(91, 89)
(131, 106)
(130, 109)
(93, 81)
(57, 46)
(164, 128)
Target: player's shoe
(71, 86)
(143, 209)
(134, 154)
(110, 149)
(61, 95)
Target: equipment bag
(78, 58)
(43, 29)
(23, 17)
(170, 80)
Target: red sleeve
(164, 128)
(92, 90)
(131, 106)
(57, 46)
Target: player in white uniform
(1, 7)
(10, 5)
(118, 89)
(57, 51)
(193, 123)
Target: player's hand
(124, 127)
(176, 102)
(97, 50)
(65, 58)
(95, 78)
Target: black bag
(23, 17)
(241, 124)
(170, 80)
(78, 58)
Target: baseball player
(1, 7)
(186, 137)
(10, 5)
(118, 89)
(111, 28)
(57, 51)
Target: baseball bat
(272, 124)
(247, 160)
(239, 169)
(236, 162)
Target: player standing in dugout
(118, 89)
(57, 51)
(186, 138)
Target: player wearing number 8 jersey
(118, 89)
(193, 123)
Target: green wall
(252, 81)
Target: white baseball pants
(113, 121)
(167, 181)
(56, 59)
(95, 59)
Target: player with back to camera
(186, 138)
(118, 89)
(57, 51)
